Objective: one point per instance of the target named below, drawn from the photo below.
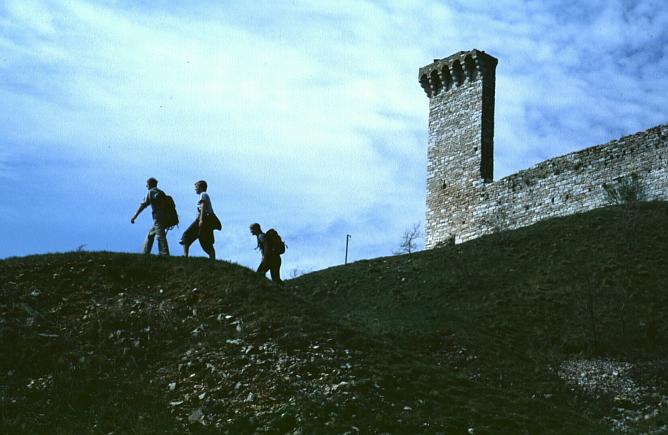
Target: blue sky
(306, 116)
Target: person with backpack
(204, 224)
(154, 198)
(271, 247)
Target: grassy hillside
(555, 328)
(592, 282)
(588, 287)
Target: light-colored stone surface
(463, 202)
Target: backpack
(276, 244)
(168, 216)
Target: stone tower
(460, 152)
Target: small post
(347, 238)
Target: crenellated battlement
(455, 70)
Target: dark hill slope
(125, 343)
(100, 343)
(466, 338)
(594, 282)
(516, 305)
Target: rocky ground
(236, 356)
(634, 403)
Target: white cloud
(308, 116)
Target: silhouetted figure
(271, 255)
(204, 224)
(154, 198)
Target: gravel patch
(635, 405)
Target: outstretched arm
(139, 210)
(145, 203)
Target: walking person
(271, 247)
(154, 198)
(204, 224)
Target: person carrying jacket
(204, 224)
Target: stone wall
(462, 201)
(569, 184)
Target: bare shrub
(409, 240)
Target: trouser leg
(189, 236)
(275, 270)
(209, 249)
(148, 243)
(273, 265)
(263, 268)
(161, 235)
(206, 240)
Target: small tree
(409, 240)
(625, 190)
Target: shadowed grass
(443, 341)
